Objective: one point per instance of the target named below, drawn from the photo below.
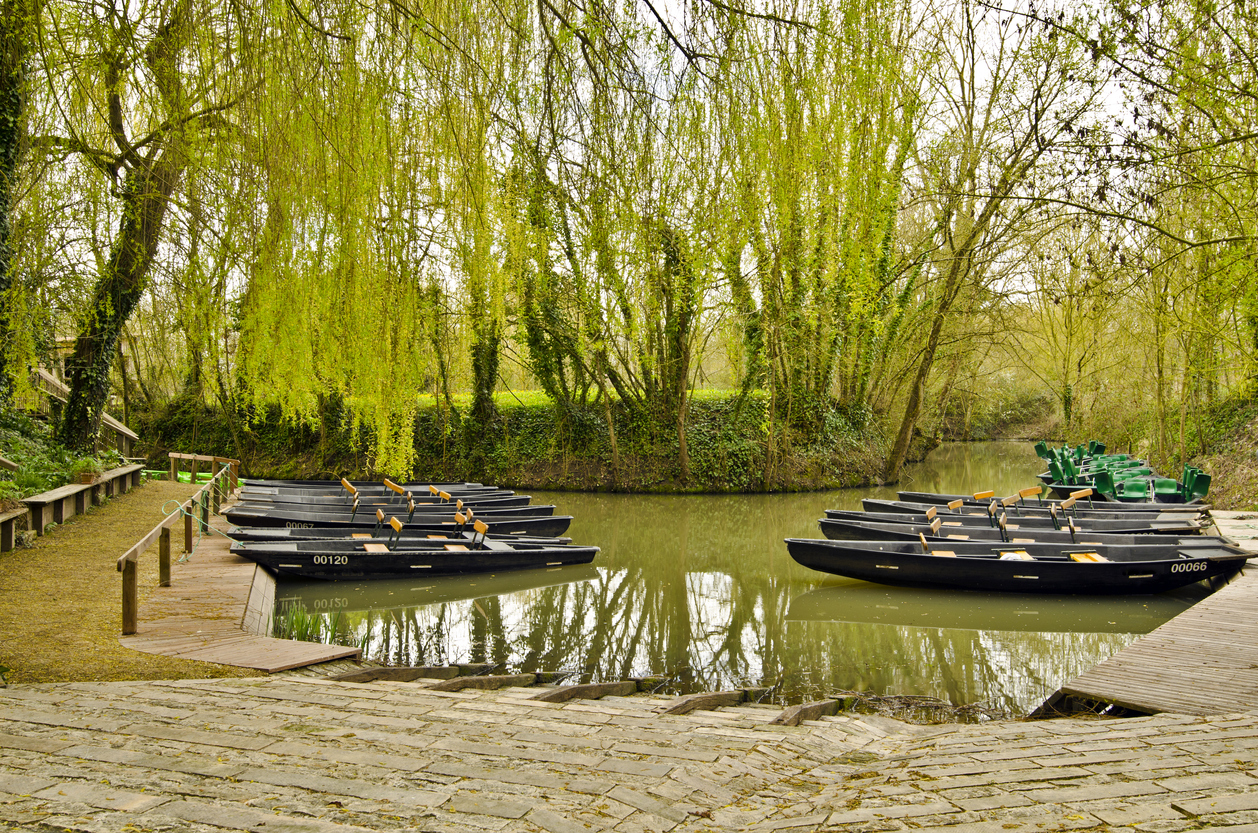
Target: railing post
(187, 525)
(194, 470)
(174, 475)
(129, 603)
(205, 512)
(217, 484)
(163, 558)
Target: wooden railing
(196, 509)
(196, 459)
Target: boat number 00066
(1190, 566)
(330, 559)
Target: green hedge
(536, 444)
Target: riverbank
(63, 611)
(733, 445)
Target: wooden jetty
(218, 609)
(1202, 662)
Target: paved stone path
(303, 753)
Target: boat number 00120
(330, 559)
(1190, 566)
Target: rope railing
(195, 511)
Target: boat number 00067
(330, 559)
(1190, 566)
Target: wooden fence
(216, 463)
(198, 507)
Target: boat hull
(841, 530)
(1028, 525)
(1156, 570)
(1092, 502)
(542, 525)
(336, 564)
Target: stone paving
(305, 753)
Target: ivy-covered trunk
(118, 289)
(15, 16)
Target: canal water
(700, 589)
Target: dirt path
(62, 611)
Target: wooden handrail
(202, 458)
(208, 494)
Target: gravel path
(63, 597)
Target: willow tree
(819, 119)
(127, 94)
(610, 194)
(344, 226)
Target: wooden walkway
(217, 609)
(1204, 661)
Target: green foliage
(540, 444)
(43, 464)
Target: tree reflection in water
(701, 589)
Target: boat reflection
(393, 594)
(863, 602)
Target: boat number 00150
(330, 559)
(1190, 566)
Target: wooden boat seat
(1087, 557)
(439, 537)
(948, 553)
(1016, 555)
(360, 535)
(456, 547)
(375, 547)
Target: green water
(702, 590)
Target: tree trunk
(14, 20)
(118, 289)
(957, 270)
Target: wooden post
(187, 526)
(194, 470)
(205, 510)
(163, 558)
(129, 603)
(174, 475)
(217, 485)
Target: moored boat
(546, 524)
(344, 560)
(860, 530)
(1034, 568)
(1085, 496)
(1029, 524)
(1067, 508)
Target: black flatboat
(367, 514)
(1086, 497)
(840, 530)
(348, 560)
(1022, 568)
(1065, 508)
(415, 487)
(426, 502)
(499, 523)
(427, 532)
(1028, 525)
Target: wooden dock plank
(1203, 662)
(206, 614)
